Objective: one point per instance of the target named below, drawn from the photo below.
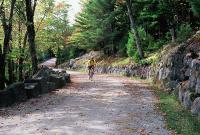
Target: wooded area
(34, 30)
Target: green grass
(151, 59)
(178, 119)
(121, 62)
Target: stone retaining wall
(43, 82)
(179, 72)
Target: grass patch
(121, 62)
(178, 119)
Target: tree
(100, 26)
(31, 33)
(134, 28)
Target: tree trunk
(2, 70)
(21, 59)
(10, 71)
(134, 29)
(173, 34)
(7, 28)
(21, 68)
(31, 34)
(10, 65)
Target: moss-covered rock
(6, 98)
(18, 92)
(32, 89)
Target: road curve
(109, 105)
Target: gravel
(109, 105)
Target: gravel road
(109, 105)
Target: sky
(74, 9)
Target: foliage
(98, 26)
(153, 59)
(195, 6)
(184, 32)
(147, 41)
(67, 53)
(131, 48)
(121, 62)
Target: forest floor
(109, 105)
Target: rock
(17, 91)
(171, 85)
(41, 82)
(160, 73)
(50, 86)
(195, 65)
(176, 90)
(59, 81)
(197, 89)
(187, 100)
(127, 72)
(187, 73)
(44, 72)
(6, 98)
(196, 106)
(182, 89)
(32, 89)
(67, 77)
(59, 71)
(192, 81)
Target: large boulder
(41, 82)
(58, 80)
(50, 86)
(6, 98)
(44, 72)
(32, 89)
(67, 77)
(17, 91)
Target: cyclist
(91, 66)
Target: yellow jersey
(91, 62)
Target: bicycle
(91, 73)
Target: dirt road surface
(109, 105)
(49, 63)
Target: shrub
(131, 49)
